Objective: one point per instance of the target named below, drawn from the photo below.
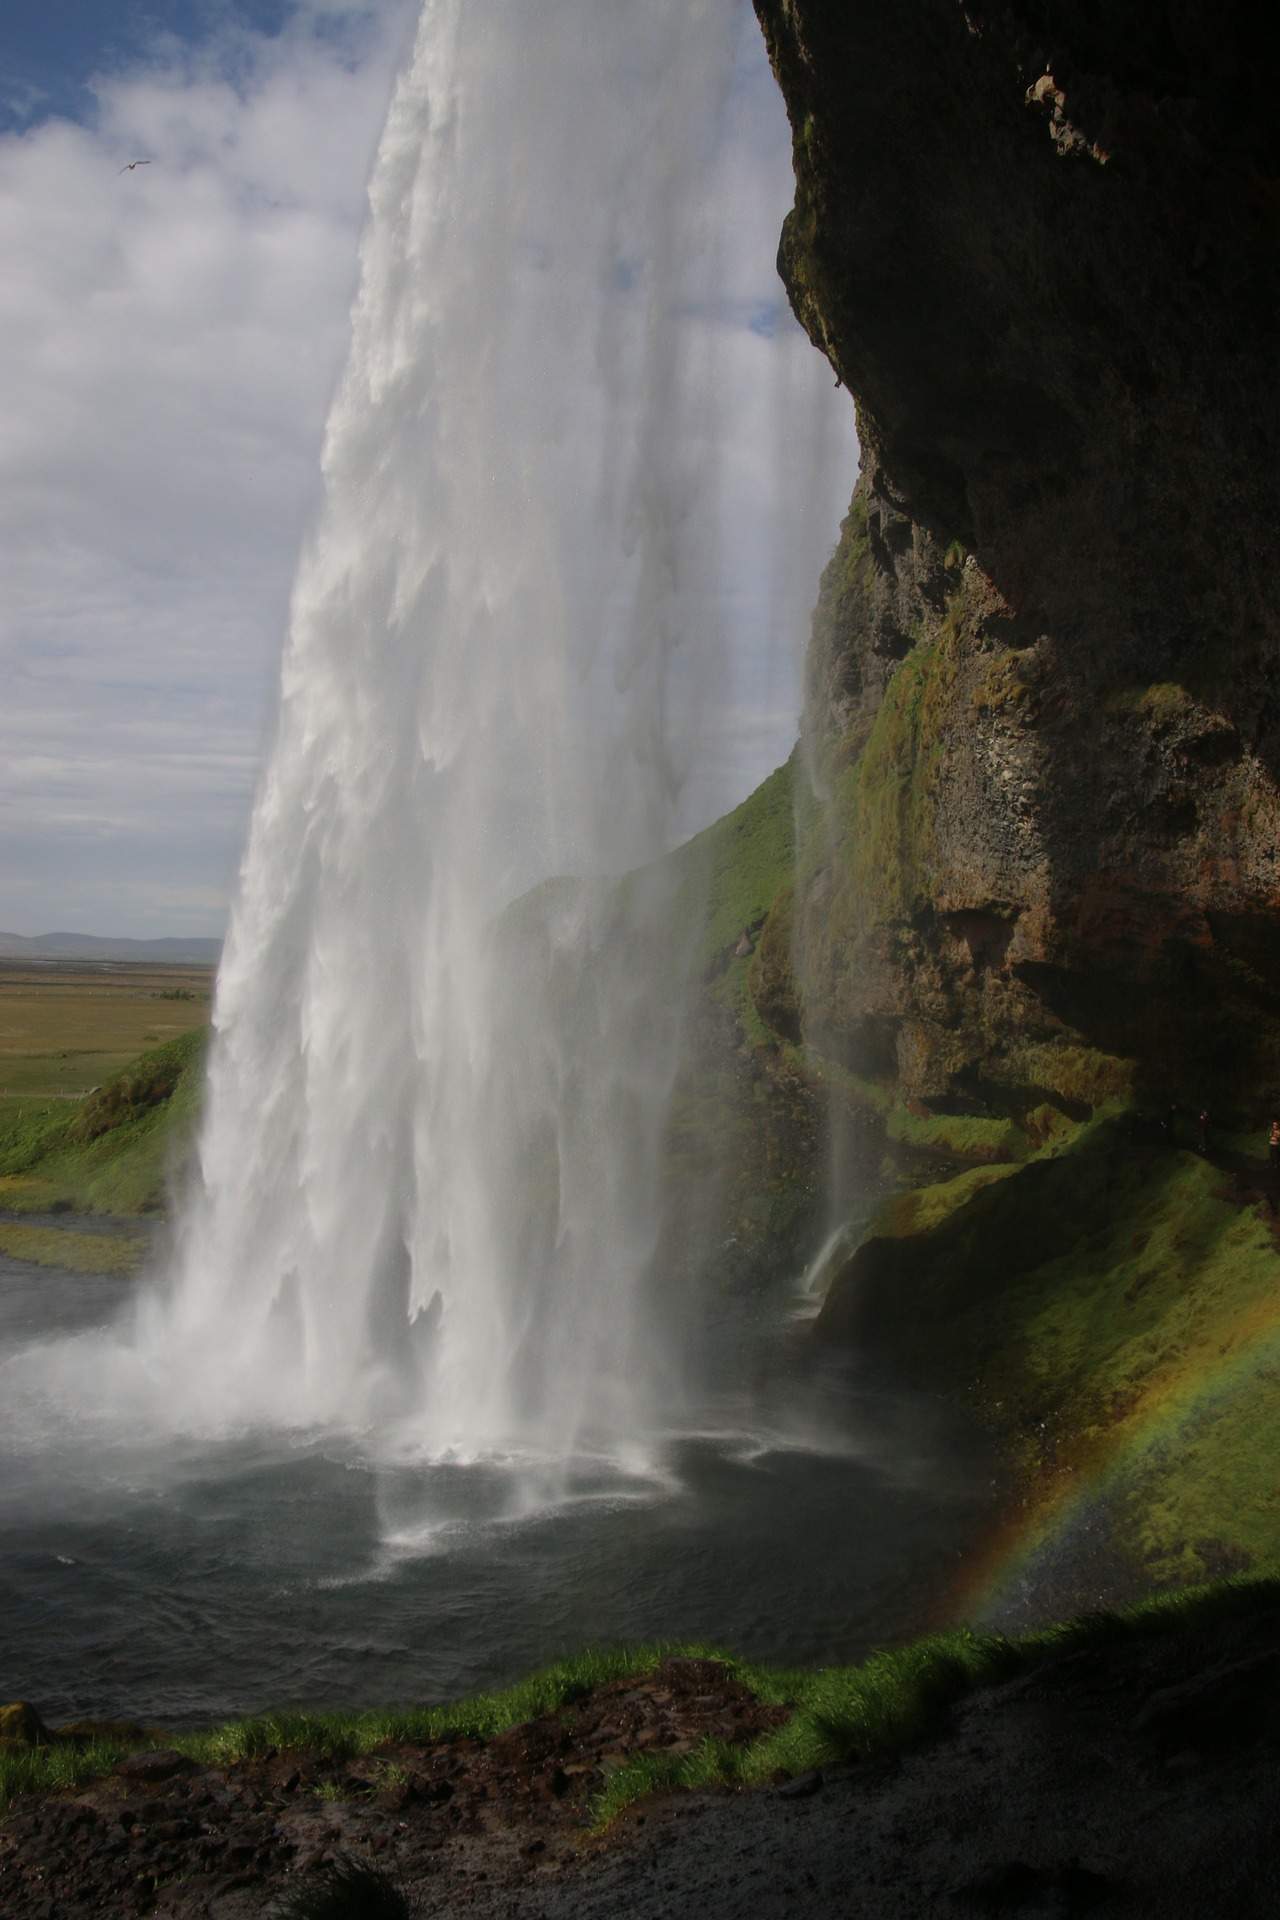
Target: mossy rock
(771, 981)
(957, 1136)
(921, 1210)
(21, 1725)
(1112, 1309)
(1083, 1076)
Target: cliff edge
(1034, 915)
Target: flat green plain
(65, 1027)
(100, 1072)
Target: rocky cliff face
(1038, 243)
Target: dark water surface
(179, 1580)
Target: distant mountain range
(92, 946)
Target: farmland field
(66, 1026)
(100, 1072)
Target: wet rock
(803, 1787)
(160, 1764)
(1011, 1884)
(151, 1813)
(1228, 1706)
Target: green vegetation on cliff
(742, 1159)
(1113, 1309)
(728, 879)
(881, 805)
(958, 1136)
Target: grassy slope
(881, 1705)
(730, 877)
(1114, 1310)
(742, 1156)
(110, 1153)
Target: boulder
(154, 1764)
(20, 1723)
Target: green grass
(697, 901)
(1114, 1312)
(959, 1136)
(881, 1705)
(65, 1028)
(898, 1698)
(73, 1252)
(743, 861)
(112, 1152)
(341, 1736)
(727, 881)
(1162, 704)
(1073, 1073)
(920, 1210)
(55, 1769)
(881, 810)
(338, 1737)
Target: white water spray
(429, 1176)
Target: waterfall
(429, 1181)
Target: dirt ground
(1139, 1778)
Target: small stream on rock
(804, 1523)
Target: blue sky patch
(50, 49)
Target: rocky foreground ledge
(162, 1834)
(1121, 1766)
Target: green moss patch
(958, 1136)
(882, 803)
(921, 1210)
(1078, 1074)
(1161, 704)
(1114, 1310)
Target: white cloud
(169, 339)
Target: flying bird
(129, 165)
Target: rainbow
(1072, 1503)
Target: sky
(170, 340)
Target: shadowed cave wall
(1038, 244)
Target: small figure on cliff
(1203, 1124)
